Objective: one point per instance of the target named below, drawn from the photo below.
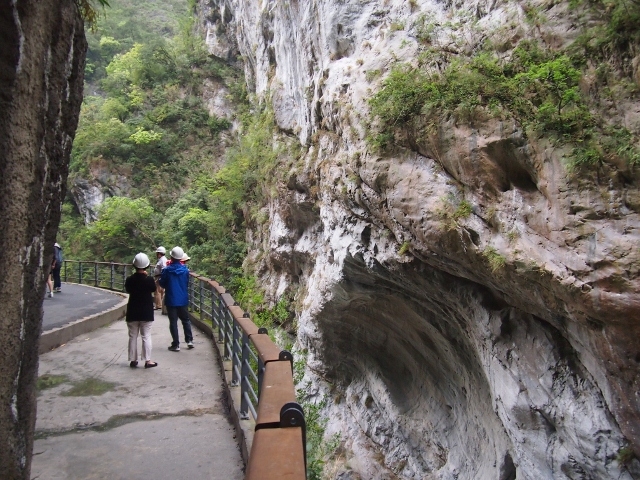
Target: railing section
(107, 275)
(262, 371)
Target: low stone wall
(58, 336)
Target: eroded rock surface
(42, 68)
(502, 344)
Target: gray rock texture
(500, 345)
(41, 75)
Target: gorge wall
(499, 344)
(41, 65)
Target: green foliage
(88, 11)
(625, 455)
(319, 448)
(616, 34)
(124, 227)
(404, 92)
(404, 248)
(495, 260)
(463, 211)
(537, 88)
(126, 23)
(452, 210)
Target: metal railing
(259, 368)
(98, 274)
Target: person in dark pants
(56, 266)
(175, 281)
(140, 288)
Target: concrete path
(75, 302)
(167, 422)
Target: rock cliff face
(42, 70)
(502, 344)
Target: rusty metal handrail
(278, 451)
(279, 445)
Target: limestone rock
(497, 344)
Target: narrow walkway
(167, 422)
(76, 302)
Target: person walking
(160, 264)
(175, 280)
(140, 288)
(50, 285)
(56, 266)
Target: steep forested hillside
(157, 114)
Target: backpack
(58, 255)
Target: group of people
(169, 288)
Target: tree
(124, 227)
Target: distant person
(160, 264)
(175, 280)
(184, 259)
(140, 288)
(56, 266)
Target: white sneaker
(190, 344)
(50, 295)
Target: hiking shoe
(174, 349)
(57, 290)
(190, 344)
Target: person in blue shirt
(175, 281)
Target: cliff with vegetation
(447, 197)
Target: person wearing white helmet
(160, 264)
(175, 280)
(140, 311)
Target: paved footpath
(74, 303)
(167, 422)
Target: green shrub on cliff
(538, 88)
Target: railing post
(95, 273)
(244, 378)
(65, 270)
(111, 277)
(236, 352)
(80, 273)
(221, 326)
(200, 299)
(214, 316)
(124, 276)
(228, 329)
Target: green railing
(260, 369)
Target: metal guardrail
(262, 371)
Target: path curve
(166, 422)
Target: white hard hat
(185, 257)
(57, 245)
(177, 253)
(161, 250)
(141, 261)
